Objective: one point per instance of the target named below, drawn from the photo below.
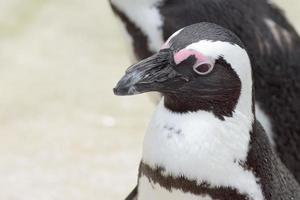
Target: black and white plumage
(204, 141)
(272, 43)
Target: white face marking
(265, 122)
(200, 145)
(145, 15)
(171, 37)
(153, 191)
(281, 35)
(239, 61)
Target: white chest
(152, 191)
(203, 148)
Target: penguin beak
(147, 75)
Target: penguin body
(272, 43)
(204, 141)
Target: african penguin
(204, 141)
(272, 43)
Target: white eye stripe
(203, 68)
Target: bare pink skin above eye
(185, 53)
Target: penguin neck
(221, 107)
(184, 104)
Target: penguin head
(203, 64)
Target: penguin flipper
(279, 182)
(132, 195)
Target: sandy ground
(63, 135)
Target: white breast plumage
(202, 147)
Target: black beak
(147, 75)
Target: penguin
(272, 43)
(204, 141)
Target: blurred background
(63, 134)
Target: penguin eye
(203, 68)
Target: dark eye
(203, 68)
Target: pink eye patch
(185, 53)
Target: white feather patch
(172, 36)
(265, 122)
(145, 15)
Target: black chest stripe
(169, 182)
